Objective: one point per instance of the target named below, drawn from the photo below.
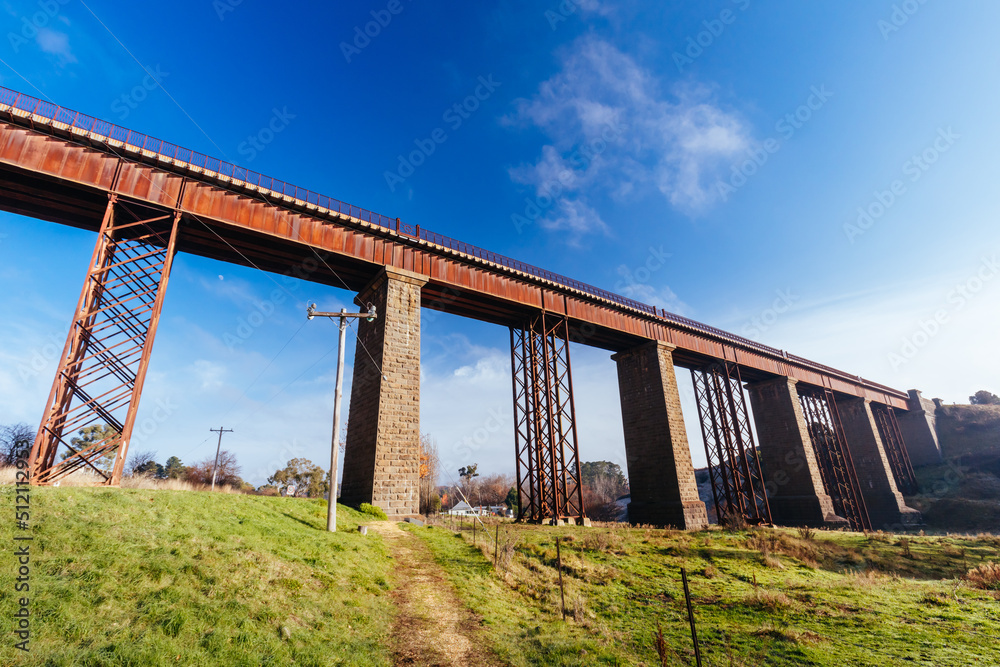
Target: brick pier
(660, 472)
(886, 508)
(382, 455)
(791, 473)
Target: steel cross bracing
(548, 459)
(733, 463)
(101, 371)
(835, 463)
(895, 449)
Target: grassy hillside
(774, 597)
(963, 493)
(141, 577)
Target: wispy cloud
(612, 129)
(57, 44)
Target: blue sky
(817, 176)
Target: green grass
(136, 577)
(761, 597)
(133, 577)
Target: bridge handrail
(254, 180)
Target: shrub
(372, 511)
(986, 576)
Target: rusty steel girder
(733, 462)
(103, 365)
(895, 449)
(834, 456)
(547, 456)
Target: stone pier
(919, 430)
(660, 472)
(791, 473)
(886, 508)
(382, 454)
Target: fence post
(562, 593)
(694, 633)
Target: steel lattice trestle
(103, 364)
(548, 460)
(835, 463)
(895, 449)
(733, 464)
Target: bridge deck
(61, 166)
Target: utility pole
(331, 506)
(215, 468)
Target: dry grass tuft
(773, 562)
(766, 600)
(869, 578)
(986, 576)
(786, 634)
(603, 540)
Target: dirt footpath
(432, 627)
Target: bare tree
(430, 501)
(142, 463)
(228, 474)
(14, 440)
(493, 489)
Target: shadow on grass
(310, 524)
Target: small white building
(462, 509)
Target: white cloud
(662, 297)
(610, 128)
(56, 43)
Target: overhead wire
(125, 159)
(257, 196)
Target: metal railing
(252, 180)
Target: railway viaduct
(830, 448)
